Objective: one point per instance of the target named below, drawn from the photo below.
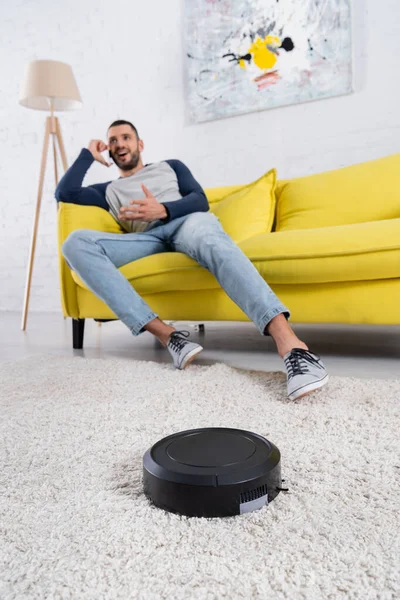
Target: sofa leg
(78, 328)
(198, 327)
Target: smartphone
(111, 161)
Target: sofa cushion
(245, 210)
(366, 251)
(361, 193)
(167, 271)
(363, 251)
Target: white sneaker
(306, 372)
(182, 351)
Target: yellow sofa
(327, 244)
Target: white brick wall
(128, 61)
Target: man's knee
(74, 241)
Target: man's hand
(148, 209)
(96, 147)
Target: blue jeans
(95, 256)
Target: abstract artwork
(251, 55)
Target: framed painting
(251, 55)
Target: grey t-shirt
(159, 178)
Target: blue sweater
(190, 196)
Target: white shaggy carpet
(75, 523)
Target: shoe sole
(307, 389)
(190, 356)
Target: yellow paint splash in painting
(263, 57)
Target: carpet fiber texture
(74, 522)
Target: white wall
(127, 57)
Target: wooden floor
(355, 351)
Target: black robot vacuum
(212, 472)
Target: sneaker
(306, 372)
(182, 351)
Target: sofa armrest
(70, 218)
(74, 216)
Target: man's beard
(127, 166)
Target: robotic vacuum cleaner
(212, 472)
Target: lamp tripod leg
(61, 150)
(35, 225)
(53, 135)
(61, 145)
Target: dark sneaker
(182, 351)
(305, 371)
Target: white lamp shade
(49, 80)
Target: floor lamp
(48, 85)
